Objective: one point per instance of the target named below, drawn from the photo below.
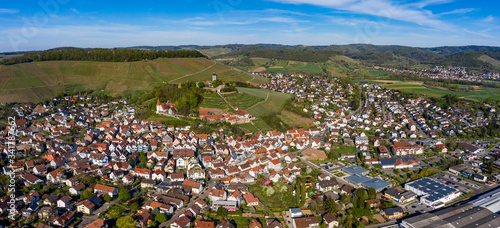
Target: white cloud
(8, 11)
(75, 10)
(458, 11)
(383, 8)
(425, 3)
(489, 19)
(481, 33)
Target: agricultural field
(36, 81)
(261, 125)
(480, 94)
(249, 127)
(242, 100)
(379, 73)
(260, 93)
(295, 120)
(273, 104)
(213, 100)
(260, 61)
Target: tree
(372, 193)
(125, 222)
(142, 159)
(124, 195)
(107, 198)
(87, 193)
(161, 218)
(330, 206)
(134, 206)
(151, 223)
(221, 211)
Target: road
(202, 195)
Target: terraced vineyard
(35, 81)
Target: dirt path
(227, 102)
(187, 75)
(267, 96)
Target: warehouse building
(463, 216)
(432, 193)
(479, 213)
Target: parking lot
(459, 183)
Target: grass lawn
(346, 149)
(280, 200)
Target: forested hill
(304, 55)
(99, 54)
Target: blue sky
(47, 24)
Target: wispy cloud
(481, 33)
(458, 11)
(8, 11)
(383, 8)
(489, 19)
(424, 3)
(75, 10)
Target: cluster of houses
(329, 98)
(448, 73)
(175, 161)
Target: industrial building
(479, 213)
(466, 215)
(432, 193)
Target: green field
(480, 95)
(273, 104)
(378, 73)
(260, 93)
(309, 68)
(213, 100)
(261, 125)
(249, 127)
(346, 149)
(33, 82)
(260, 61)
(242, 100)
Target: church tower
(214, 77)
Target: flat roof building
(431, 192)
(377, 184)
(463, 216)
(355, 170)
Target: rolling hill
(36, 81)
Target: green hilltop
(37, 81)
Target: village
(83, 162)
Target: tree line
(100, 55)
